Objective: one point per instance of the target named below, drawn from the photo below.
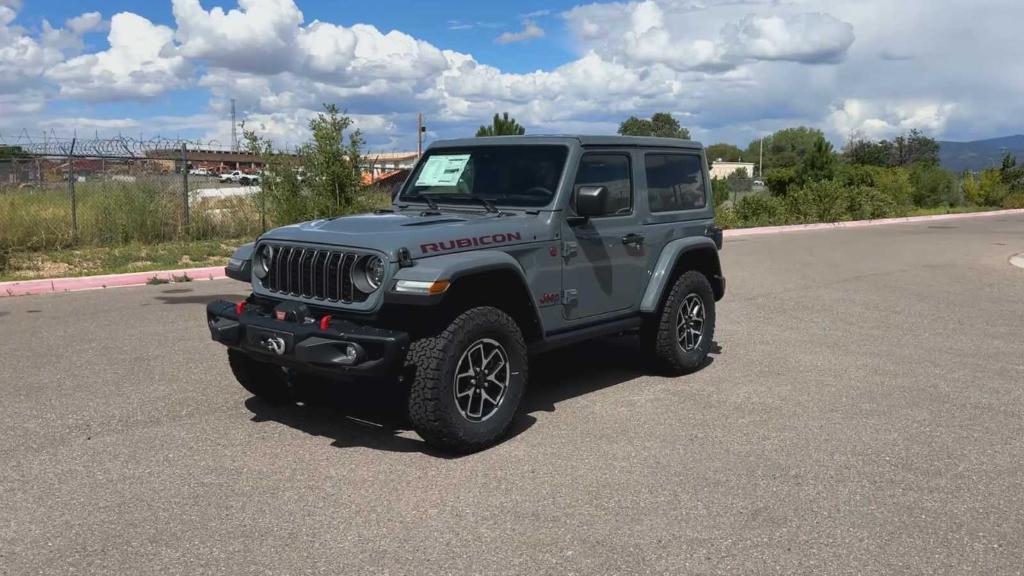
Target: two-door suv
(494, 249)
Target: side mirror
(591, 201)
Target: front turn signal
(422, 287)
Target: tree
(332, 166)
(780, 180)
(738, 174)
(724, 152)
(501, 126)
(661, 124)
(913, 148)
(818, 164)
(785, 148)
(322, 180)
(862, 151)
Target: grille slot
(313, 273)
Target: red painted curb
(75, 284)
(862, 223)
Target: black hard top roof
(583, 140)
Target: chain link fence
(60, 194)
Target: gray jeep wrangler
(495, 249)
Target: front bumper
(345, 348)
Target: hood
(423, 235)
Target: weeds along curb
(57, 285)
(76, 284)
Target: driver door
(604, 257)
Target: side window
(611, 171)
(674, 182)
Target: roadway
(863, 413)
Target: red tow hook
(325, 322)
(240, 307)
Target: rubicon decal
(490, 239)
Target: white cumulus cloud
(139, 63)
(259, 36)
(729, 70)
(530, 31)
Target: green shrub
(1014, 200)
(933, 187)
(824, 201)
(5, 256)
(895, 183)
(721, 190)
(726, 218)
(855, 175)
(992, 189)
(871, 203)
(761, 210)
(780, 180)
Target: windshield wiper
(430, 201)
(487, 204)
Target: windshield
(503, 175)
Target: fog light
(351, 353)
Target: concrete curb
(55, 285)
(864, 223)
(76, 284)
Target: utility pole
(234, 131)
(760, 160)
(420, 129)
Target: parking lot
(863, 413)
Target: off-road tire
(659, 334)
(261, 379)
(431, 365)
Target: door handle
(633, 239)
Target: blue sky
(427, 20)
(729, 70)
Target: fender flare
(662, 273)
(240, 265)
(452, 266)
(459, 265)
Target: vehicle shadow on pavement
(369, 415)
(374, 415)
(588, 367)
(196, 299)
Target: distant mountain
(980, 154)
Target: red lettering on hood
(486, 240)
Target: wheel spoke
(481, 379)
(483, 392)
(690, 322)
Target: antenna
(234, 130)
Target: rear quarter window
(674, 182)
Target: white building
(720, 169)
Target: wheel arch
(481, 278)
(696, 253)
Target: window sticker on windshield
(442, 170)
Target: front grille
(313, 273)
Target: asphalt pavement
(863, 413)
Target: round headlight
(261, 262)
(368, 274)
(374, 271)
